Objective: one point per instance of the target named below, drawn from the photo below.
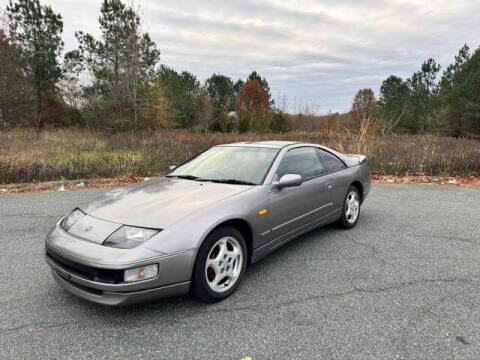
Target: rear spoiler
(359, 158)
(349, 159)
(353, 159)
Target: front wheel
(220, 264)
(351, 208)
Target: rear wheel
(351, 208)
(220, 264)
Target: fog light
(141, 273)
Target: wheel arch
(245, 229)
(359, 187)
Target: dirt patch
(70, 185)
(466, 180)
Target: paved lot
(403, 284)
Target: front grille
(84, 271)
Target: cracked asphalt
(403, 284)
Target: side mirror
(171, 167)
(288, 180)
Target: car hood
(159, 202)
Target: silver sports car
(199, 226)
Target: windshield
(234, 164)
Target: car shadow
(288, 250)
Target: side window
(303, 161)
(333, 163)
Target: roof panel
(272, 144)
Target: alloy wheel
(352, 207)
(224, 264)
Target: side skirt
(274, 244)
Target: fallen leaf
(462, 340)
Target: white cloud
(318, 51)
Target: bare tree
(203, 112)
(364, 106)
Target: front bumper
(121, 298)
(95, 272)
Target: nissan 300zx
(199, 226)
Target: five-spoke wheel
(224, 264)
(220, 264)
(351, 208)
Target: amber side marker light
(262, 212)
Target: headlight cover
(69, 220)
(128, 237)
(141, 273)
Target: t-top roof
(271, 144)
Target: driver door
(293, 208)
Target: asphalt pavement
(403, 284)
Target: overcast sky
(315, 52)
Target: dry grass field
(73, 154)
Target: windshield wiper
(231, 181)
(223, 181)
(188, 177)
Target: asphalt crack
(443, 237)
(356, 290)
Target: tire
(350, 209)
(226, 253)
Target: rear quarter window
(332, 162)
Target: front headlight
(128, 237)
(71, 219)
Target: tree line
(115, 81)
(429, 101)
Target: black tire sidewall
(199, 282)
(343, 219)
